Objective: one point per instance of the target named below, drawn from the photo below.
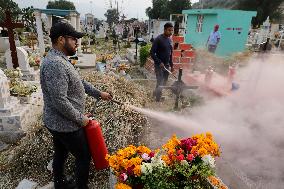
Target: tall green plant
(144, 54)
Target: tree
(264, 9)
(159, 10)
(163, 8)
(29, 19)
(177, 6)
(61, 4)
(9, 5)
(112, 16)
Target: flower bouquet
(13, 73)
(34, 60)
(186, 163)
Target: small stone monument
(13, 115)
(29, 74)
(8, 106)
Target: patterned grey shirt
(63, 93)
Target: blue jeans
(75, 143)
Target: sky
(131, 8)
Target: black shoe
(65, 184)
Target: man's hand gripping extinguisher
(97, 144)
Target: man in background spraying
(161, 52)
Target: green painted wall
(234, 28)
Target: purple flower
(146, 157)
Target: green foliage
(9, 5)
(144, 54)
(112, 16)
(177, 176)
(163, 8)
(29, 19)
(61, 4)
(264, 9)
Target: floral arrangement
(21, 89)
(13, 73)
(34, 60)
(186, 163)
(17, 86)
(104, 58)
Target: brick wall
(183, 55)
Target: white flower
(157, 160)
(209, 160)
(145, 157)
(146, 168)
(184, 162)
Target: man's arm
(153, 52)
(56, 80)
(171, 60)
(91, 90)
(218, 38)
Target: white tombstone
(101, 33)
(28, 72)
(4, 44)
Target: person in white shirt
(213, 39)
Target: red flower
(180, 151)
(190, 157)
(130, 170)
(180, 157)
(152, 154)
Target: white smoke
(248, 124)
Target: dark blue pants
(162, 77)
(212, 48)
(75, 143)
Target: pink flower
(146, 157)
(190, 157)
(123, 177)
(180, 157)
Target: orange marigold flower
(137, 170)
(143, 149)
(122, 186)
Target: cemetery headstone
(28, 73)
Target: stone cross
(10, 26)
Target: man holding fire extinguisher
(64, 106)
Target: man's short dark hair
(168, 25)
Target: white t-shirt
(213, 38)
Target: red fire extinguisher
(97, 144)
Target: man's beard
(70, 51)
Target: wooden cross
(10, 26)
